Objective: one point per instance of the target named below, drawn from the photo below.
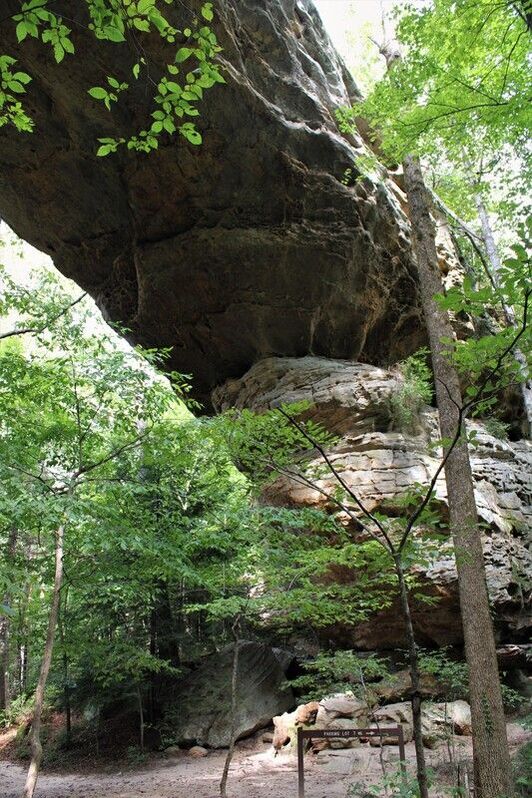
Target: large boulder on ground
(201, 708)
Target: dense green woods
(138, 536)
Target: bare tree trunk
(495, 262)
(490, 746)
(35, 738)
(141, 718)
(421, 765)
(61, 618)
(4, 630)
(234, 697)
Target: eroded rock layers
(380, 463)
(248, 246)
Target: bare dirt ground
(255, 773)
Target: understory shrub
(414, 392)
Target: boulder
(197, 751)
(287, 724)
(200, 709)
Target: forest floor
(255, 773)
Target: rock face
(201, 711)
(380, 463)
(248, 246)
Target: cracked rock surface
(248, 246)
(380, 463)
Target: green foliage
(463, 77)
(396, 784)
(494, 426)
(12, 85)
(483, 361)
(19, 709)
(523, 771)
(453, 675)
(340, 672)
(177, 95)
(415, 392)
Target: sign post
(328, 734)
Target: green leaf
(136, 70)
(15, 86)
(21, 77)
(67, 46)
(98, 93)
(182, 54)
(192, 135)
(113, 34)
(145, 5)
(105, 149)
(169, 125)
(59, 53)
(207, 12)
(141, 24)
(21, 31)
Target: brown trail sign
(328, 734)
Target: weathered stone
(246, 246)
(200, 710)
(380, 464)
(173, 750)
(197, 751)
(340, 711)
(399, 714)
(398, 686)
(438, 721)
(287, 724)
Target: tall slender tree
(490, 745)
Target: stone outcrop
(200, 710)
(345, 711)
(248, 246)
(380, 463)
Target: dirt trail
(255, 773)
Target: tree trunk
(495, 262)
(141, 718)
(421, 765)
(36, 746)
(490, 746)
(232, 739)
(61, 618)
(4, 629)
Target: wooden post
(300, 764)
(402, 756)
(327, 734)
